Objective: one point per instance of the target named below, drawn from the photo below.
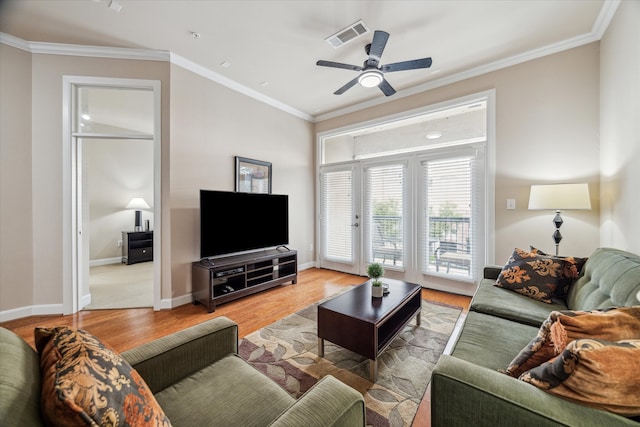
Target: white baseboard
(105, 261)
(49, 309)
(86, 300)
(31, 310)
(306, 266)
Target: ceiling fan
(371, 71)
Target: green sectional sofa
(197, 378)
(466, 386)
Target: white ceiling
(279, 41)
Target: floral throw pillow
(598, 373)
(532, 275)
(85, 383)
(562, 327)
(570, 272)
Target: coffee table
(366, 325)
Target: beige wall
(16, 234)
(546, 132)
(620, 129)
(35, 93)
(115, 171)
(210, 125)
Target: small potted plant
(375, 272)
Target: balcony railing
(448, 245)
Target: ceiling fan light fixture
(370, 78)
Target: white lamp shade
(560, 196)
(137, 203)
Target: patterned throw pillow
(84, 382)
(533, 275)
(570, 272)
(562, 327)
(597, 373)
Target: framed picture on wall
(253, 176)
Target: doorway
(412, 193)
(114, 143)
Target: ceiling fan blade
(339, 65)
(407, 65)
(386, 88)
(346, 87)
(377, 46)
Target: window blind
(384, 210)
(448, 237)
(337, 215)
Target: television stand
(229, 278)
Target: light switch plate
(511, 204)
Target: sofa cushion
(490, 341)
(570, 272)
(490, 299)
(562, 327)
(610, 278)
(597, 373)
(19, 382)
(84, 382)
(229, 392)
(535, 276)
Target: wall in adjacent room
(620, 130)
(546, 132)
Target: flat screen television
(239, 222)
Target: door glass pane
(337, 215)
(384, 210)
(114, 111)
(448, 244)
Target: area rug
(287, 352)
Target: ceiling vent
(348, 34)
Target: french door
(420, 216)
(340, 220)
(363, 215)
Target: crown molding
(225, 81)
(603, 20)
(12, 41)
(601, 24)
(147, 55)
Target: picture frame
(253, 176)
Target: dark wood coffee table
(366, 325)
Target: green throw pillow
(85, 383)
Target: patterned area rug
(287, 352)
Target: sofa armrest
(169, 359)
(492, 272)
(328, 403)
(463, 393)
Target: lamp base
(557, 236)
(138, 223)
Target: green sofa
(197, 378)
(466, 387)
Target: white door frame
(72, 222)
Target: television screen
(238, 222)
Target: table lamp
(559, 197)
(138, 203)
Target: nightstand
(137, 246)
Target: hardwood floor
(125, 329)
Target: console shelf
(226, 279)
